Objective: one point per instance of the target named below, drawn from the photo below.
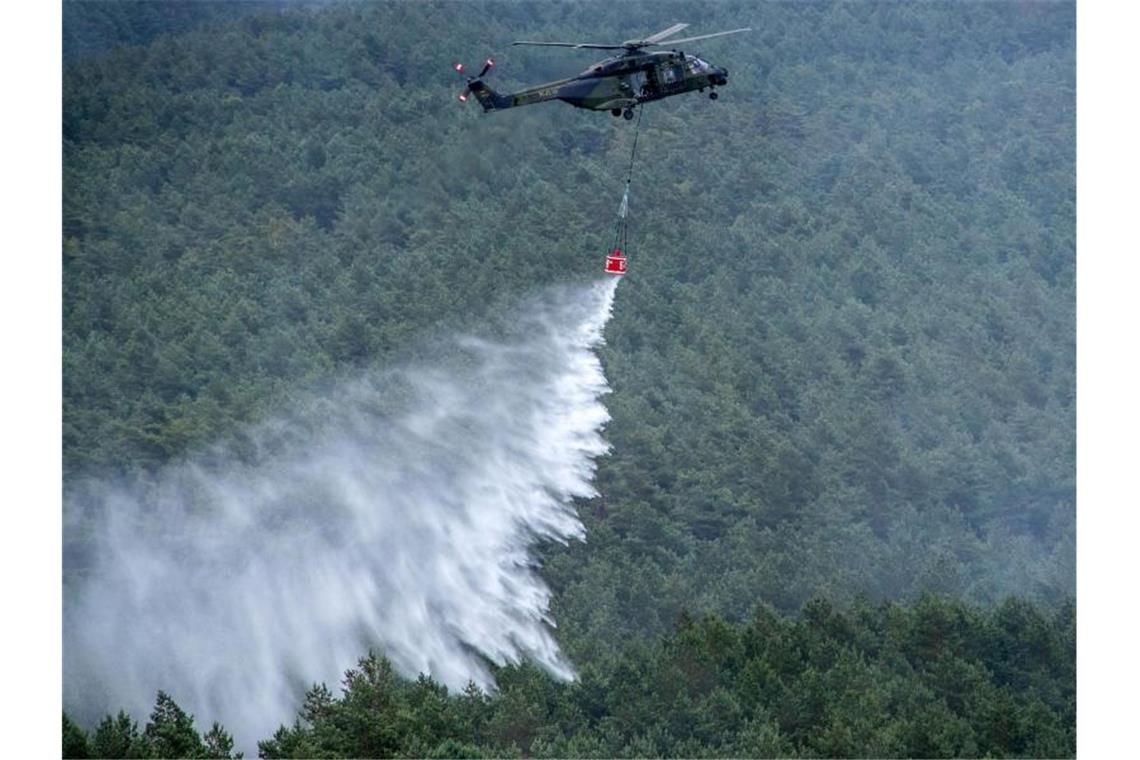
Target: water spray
(397, 511)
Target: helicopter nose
(722, 76)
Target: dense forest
(933, 679)
(843, 363)
(92, 27)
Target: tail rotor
(475, 82)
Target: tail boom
(493, 101)
(488, 98)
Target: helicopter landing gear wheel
(616, 112)
(714, 95)
(628, 114)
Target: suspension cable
(633, 153)
(623, 213)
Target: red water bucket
(615, 262)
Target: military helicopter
(619, 82)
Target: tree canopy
(843, 363)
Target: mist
(395, 510)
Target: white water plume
(395, 511)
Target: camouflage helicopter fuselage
(616, 84)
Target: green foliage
(119, 737)
(218, 744)
(170, 733)
(923, 680)
(75, 742)
(91, 27)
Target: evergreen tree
(74, 740)
(170, 732)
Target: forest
(933, 679)
(838, 517)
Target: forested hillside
(843, 363)
(94, 27)
(937, 679)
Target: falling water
(396, 510)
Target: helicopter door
(638, 82)
(652, 86)
(671, 77)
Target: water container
(615, 262)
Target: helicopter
(616, 84)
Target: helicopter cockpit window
(696, 65)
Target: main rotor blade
(705, 36)
(589, 45)
(662, 34)
(653, 39)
